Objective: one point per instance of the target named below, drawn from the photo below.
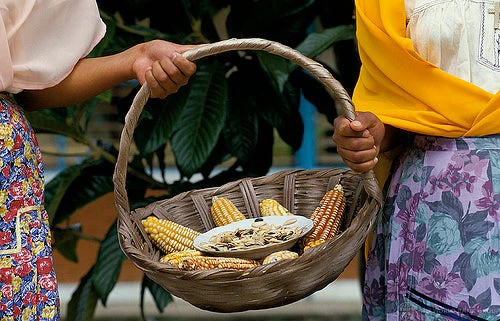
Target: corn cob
(270, 207)
(312, 244)
(328, 215)
(223, 211)
(280, 255)
(176, 258)
(217, 262)
(169, 236)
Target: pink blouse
(42, 40)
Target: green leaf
(241, 130)
(161, 155)
(202, 119)
(108, 264)
(55, 122)
(83, 302)
(155, 130)
(279, 103)
(277, 68)
(161, 297)
(56, 189)
(219, 154)
(90, 181)
(259, 166)
(315, 93)
(292, 129)
(318, 42)
(240, 133)
(66, 240)
(278, 20)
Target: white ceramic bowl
(303, 223)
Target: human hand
(162, 66)
(358, 142)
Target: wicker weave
(300, 191)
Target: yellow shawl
(408, 92)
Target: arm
(359, 142)
(156, 62)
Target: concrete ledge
(342, 297)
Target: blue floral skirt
(436, 252)
(28, 288)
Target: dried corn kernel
(328, 215)
(210, 263)
(312, 244)
(223, 211)
(176, 258)
(280, 255)
(271, 207)
(169, 236)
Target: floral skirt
(436, 250)
(28, 289)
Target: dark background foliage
(228, 113)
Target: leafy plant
(228, 114)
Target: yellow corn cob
(280, 255)
(313, 244)
(328, 215)
(176, 258)
(217, 262)
(223, 211)
(169, 236)
(270, 207)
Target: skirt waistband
(432, 143)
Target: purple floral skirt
(436, 250)
(28, 288)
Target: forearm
(90, 77)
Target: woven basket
(300, 191)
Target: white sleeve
(42, 40)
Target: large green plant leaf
(83, 302)
(241, 130)
(278, 101)
(55, 121)
(66, 239)
(318, 42)
(155, 130)
(161, 297)
(292, 129)
(315, 92)
(260, 165)
(285, 21)
(78, 186)
(202, 118)
(108, 264)
(56, 189)
(219, 154)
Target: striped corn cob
(312, 244)
(270, 207)
(169, 236)
(223, 211)
(328, 215)
(176, 258)
(280, 255)
(217, 262)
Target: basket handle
(335, 89)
